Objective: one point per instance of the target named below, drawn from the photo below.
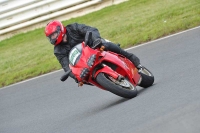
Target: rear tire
(147, 78)
(123, 88)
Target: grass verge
(130, 23)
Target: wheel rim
(123, 83)
(145, 71)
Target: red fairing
(123, 67)
(82, 63)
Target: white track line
(163, 38)
(125, 49)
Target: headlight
(84, 73)
(91, 60)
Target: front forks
(106, 69)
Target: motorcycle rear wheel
(147, 78)
(121, 88)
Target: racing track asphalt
(171, 105)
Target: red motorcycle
(106, 70)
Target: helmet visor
(54, 36)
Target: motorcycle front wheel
(120, 87)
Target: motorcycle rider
(65, 38)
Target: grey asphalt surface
(171, 105)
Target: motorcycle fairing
(123, 66)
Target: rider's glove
(73, 76)
(97, 43)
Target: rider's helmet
(55, 31)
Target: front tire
(121, 88)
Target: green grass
(130, 23)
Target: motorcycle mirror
(66, 75)
(88, 38)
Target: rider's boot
(116, 49)
(134, 59)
